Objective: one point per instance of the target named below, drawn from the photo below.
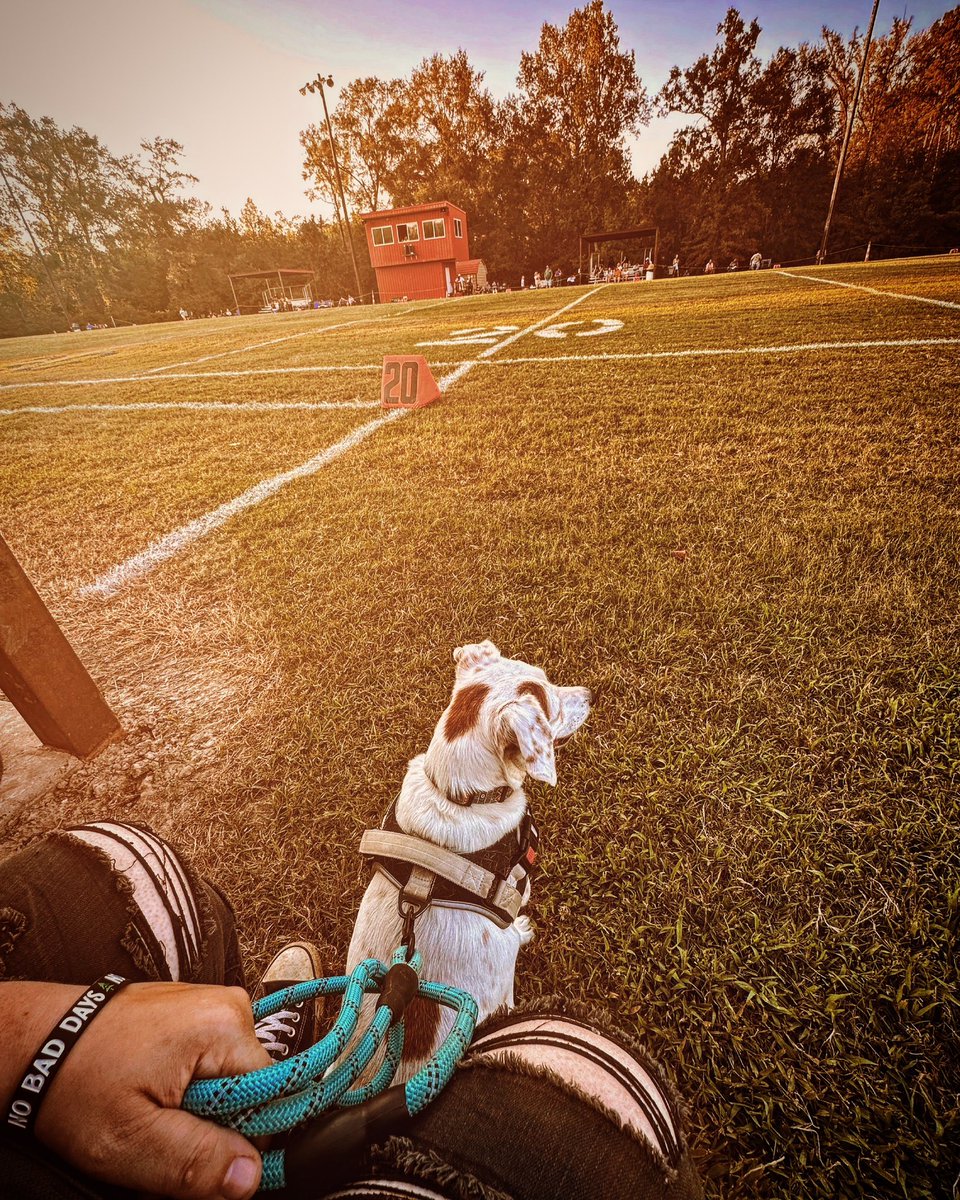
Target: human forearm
(28, 1012)
(113, 1108)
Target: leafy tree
(719, 152)
(447, 130)
(579, 96)
(754, 165)
(19, 285)
(367, 124)
(935, 89)
(155, 182)
(717, 90)
(70, 187)
(900, 188)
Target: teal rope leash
(287, 1095)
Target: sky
(223, 76)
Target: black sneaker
(292, 1029)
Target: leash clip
(409, 910)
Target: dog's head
(504, 720)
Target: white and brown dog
(458, 843)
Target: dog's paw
(524, 927)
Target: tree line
(117, 239)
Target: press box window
(457, 227)
(383, 235)
(433, 230)
(408, 233)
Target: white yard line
(257, 406)
(860, 287)
(167, 547)
(43, 363)
(459, 367)
(546, 320)
(724, 352)
(190, 362)
(48, 383)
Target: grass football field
(729, 505)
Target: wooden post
(40, 673)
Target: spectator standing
(709, 268)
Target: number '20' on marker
(407, 382)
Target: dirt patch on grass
(194, 700)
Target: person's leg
(106, 897)
(545, 1107)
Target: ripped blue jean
(548, 1105)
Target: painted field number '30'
(407, 382)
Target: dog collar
(494, 796)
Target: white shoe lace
(268, 1028)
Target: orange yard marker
(407, 382)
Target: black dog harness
(494, 881)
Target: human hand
(114, 1108)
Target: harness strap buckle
(412, 899)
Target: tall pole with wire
(316, 85)
(851, 115)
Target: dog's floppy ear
(524, 729)
(478, 654)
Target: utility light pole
(316, 85)
(822, 252)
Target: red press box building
(417, 251)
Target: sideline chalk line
(543, 360)
(250, 371)
(43, 362)
(861, 287)
(164, 548)
(289, 337)
(259, 406)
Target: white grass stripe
(48, 383)
(54, 360)
(461, 369)
(157, 552)
(720, 352)
(192, 362)
(458, 372)
(166, 547)
(539, 324)
(258, 406)
(860, 287)
(390, 316)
